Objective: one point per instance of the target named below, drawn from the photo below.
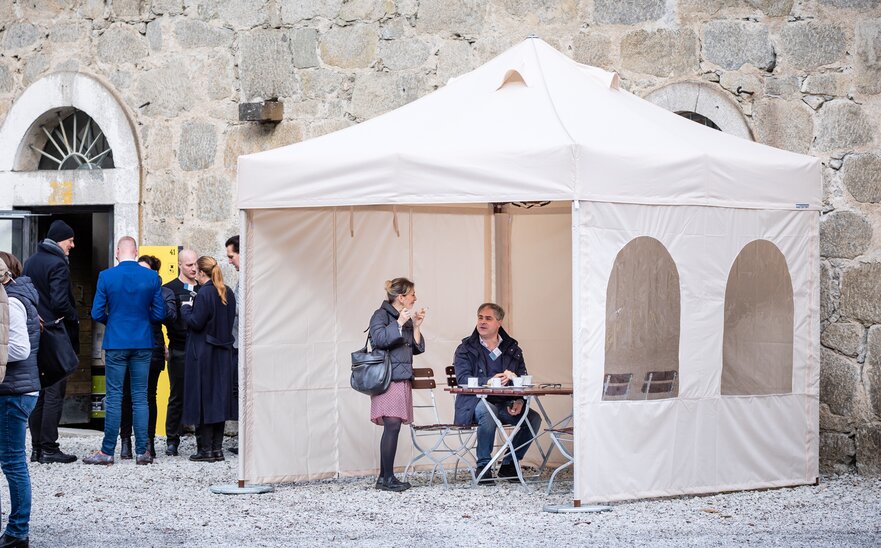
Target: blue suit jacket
(128, 298)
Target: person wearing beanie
(49, 271)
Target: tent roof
(529, 125)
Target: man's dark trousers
(176, 360)
(44, 420)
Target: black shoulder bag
(371, 369)
(56, 357)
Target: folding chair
(616, 386)
(563, 438)
(659, 383)
(435, 441)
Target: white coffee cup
(495, 382)
(526, 380)
(518, 381)
(472, 382)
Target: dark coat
(210, 367)
(49, 271)
(158, 357)
(23, 377)
(400, 343)
(469, 361)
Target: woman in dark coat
(210, 361)
(397, 327)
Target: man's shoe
(99, 458)
(487, 479)
(7, 541)
(218, 455)
(48, 457)
(233, 450)
(380, 483)
(146, 458)
(202, 456)
(35, 455)
(125, 448)
(171, 449)
(392, 484)
(151, 447)
(508, 471)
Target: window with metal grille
(75, 142)
(699, 118)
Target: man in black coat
(49, 271)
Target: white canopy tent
(666, 250)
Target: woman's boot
(217, 441)
(203, 444)
(125, 448)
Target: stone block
(164, 91)
(294, 11)
(128, 9)
(93, 9)
(661, 52)
(158, 141)
(837, 451)
(740, 83)
(379, 92)
(392, 29)
(773, 8)
(732, 44)
(868, 449)
(215, 198)
(366, 10)
(814, 101)
(121, 79)
(198, 146)
(852, 4)
(215, 75)
(873, 368)
(454, 58)
(121, 43)
(266, 64)
(7, 12)
(445, 18)
(166, 198)
(304, 47)
(808, 45)
(844, 234)
(192, 33)
(154, 34)
(842, 125)
(867, 35)
(783, 124)
(20, 35)
(537, 14)
(834, 84)
(827, 292)
(206, 240)
(628, 12)
(861, 293)
(7, 79)
(322, 83)
(781, 86)
(861, 174)
(405, 53)
(846, 338)
(350, 47)
(167, 7)
(592, 48)
(243, 15)
(68, 32)
(250, 138)
(35, 65)
(839, 378)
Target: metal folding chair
(659, 383)
(435, 441)
(616, 386)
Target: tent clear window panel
(757, 340)
(642, 324)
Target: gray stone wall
(805, 73)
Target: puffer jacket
(23, 376)
(385, 334)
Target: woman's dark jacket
(210, 367)
(469, 361)
(23, 377)
(399, 342)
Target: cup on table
(495, 382)
(525, 380)
(518, 381)
(472, 382)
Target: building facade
(122, 116)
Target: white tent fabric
(407, 193)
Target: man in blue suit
(127, 300)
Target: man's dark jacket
(469, 361)
(50, 274)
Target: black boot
(151, 447)
(217, 441)
(203, 445)
(125, 448)
(36, 454)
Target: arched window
(642, 324)
(699, 118)
(73, 140)
(704, 103)
(757, 339)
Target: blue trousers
(116, 363)
(486, 431)
(14, 412)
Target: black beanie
(59, 231)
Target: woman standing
(210, 366)
(397, 328)
(18, 395)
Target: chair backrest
(423, 379)
(659, 382)
(617, 386)
(451, 377)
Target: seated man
(490, 352)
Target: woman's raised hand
(404, 315)
(419, 316)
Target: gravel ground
(168, 504)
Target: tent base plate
(246, 490)
(570, 509)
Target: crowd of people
(200, 314)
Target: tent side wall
(699, 440)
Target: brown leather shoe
(146, 458)
(99, 458)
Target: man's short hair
(234, 242)
(498, 311)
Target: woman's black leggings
(388, 446)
